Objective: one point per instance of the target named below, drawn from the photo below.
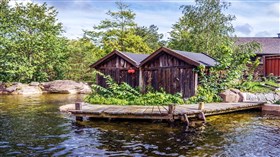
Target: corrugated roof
(137, 58)
(270, 45)
(198, 57)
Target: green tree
(82, 53)
(205, 28)
(202, 28)
(118, 32)
(151, 36)
(31, 46)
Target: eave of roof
(270, 45)
(183, 56)
(129, 57)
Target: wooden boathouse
(170, 70)
(173, 70)
(121, 66)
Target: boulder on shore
(66, 87)
(231, 96)
(58, 86)
(263, 97)
(19, 88)
(234, 95)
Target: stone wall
(58, 86)
(261, 97)
(234, 95)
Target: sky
(254, 18)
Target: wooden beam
(78, 106)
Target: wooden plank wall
(272, 65)
(171, 74)
(118, 68)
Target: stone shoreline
(234, 95)
(57, 86)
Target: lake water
(33, 126)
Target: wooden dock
(170, 113)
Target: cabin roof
(270, 45)
(137, 58)
(134, 59)
(199, 57)
(192, 58)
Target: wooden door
(272, 65)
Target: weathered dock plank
(157, 112)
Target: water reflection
(32, 126)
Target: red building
(269, 54)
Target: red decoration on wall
(131, 71)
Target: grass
(257, 87)
(272, 83)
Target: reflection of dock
(170, 113)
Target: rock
(230, 96)
(29, 90)
(236, 91)
(66, 87)
(270, 97)
(13, 88)
(85, 88)
(59, 86)
(23, 89)
(17, 83)
(261, 97)
(2, 89)
(34, 84)
(66, 108)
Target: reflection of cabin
(121, 66)
(173, 70)
(269, 56)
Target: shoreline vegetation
(123, 94)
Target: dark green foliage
(31, 48)
(205, 28)
(151, 36)
(229, 73)
(202, 28)
(121, 32)
(123, 94)
(82, 53)
(118, 32)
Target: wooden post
(78, 106)
(141, 79)
(186, 121)
(202, 117)
(201, 106)
(171, 109)
(195, 82)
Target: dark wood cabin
(172, 70)
(269, 55)
(121, 66)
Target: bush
(257, 86)
(124, 94)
